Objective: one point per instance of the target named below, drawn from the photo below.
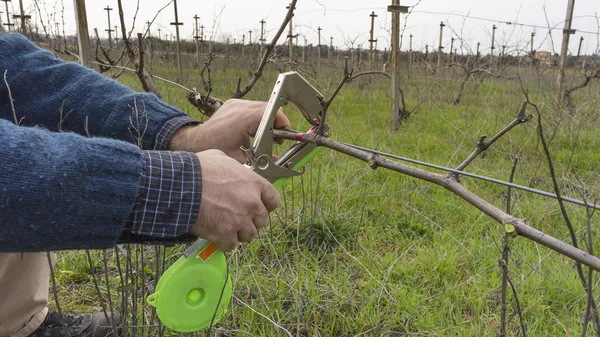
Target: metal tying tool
(290, 87)
(195, 291)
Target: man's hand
(227, 130)
(235, 201)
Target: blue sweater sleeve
(64, 191)
(46, 90)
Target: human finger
(261, 219)
(281, 122)
(247, 233)
(270, 197)
(229, 243)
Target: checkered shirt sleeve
(170, 193)
(168, 129)
(169, 199)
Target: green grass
(355, 251)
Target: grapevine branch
(144, 77)
(505, 271)
(326, 103)
(104, 65)
(383, 73)
(483, 145)
(566, 217)
(239, 93)
(587, 78)
(206, 104)
(513, 226)
(590, 300)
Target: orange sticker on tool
(207, 252)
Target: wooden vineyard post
(177, 24)
(396, 9)
(83, 35)
(564, 50)
(108, 9)
(493, 47)
(8, 24)
(371, 40)
(440, 46)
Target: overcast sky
(348, 21)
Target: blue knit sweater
(59, 189)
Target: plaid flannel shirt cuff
(164, 135)
(170, 193)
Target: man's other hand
(227, 130)
(235, 201)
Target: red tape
(299, 136)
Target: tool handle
(279, 182)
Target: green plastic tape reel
(187, 294)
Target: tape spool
(187, 295)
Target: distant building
(544, 58)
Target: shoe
(88, 325)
